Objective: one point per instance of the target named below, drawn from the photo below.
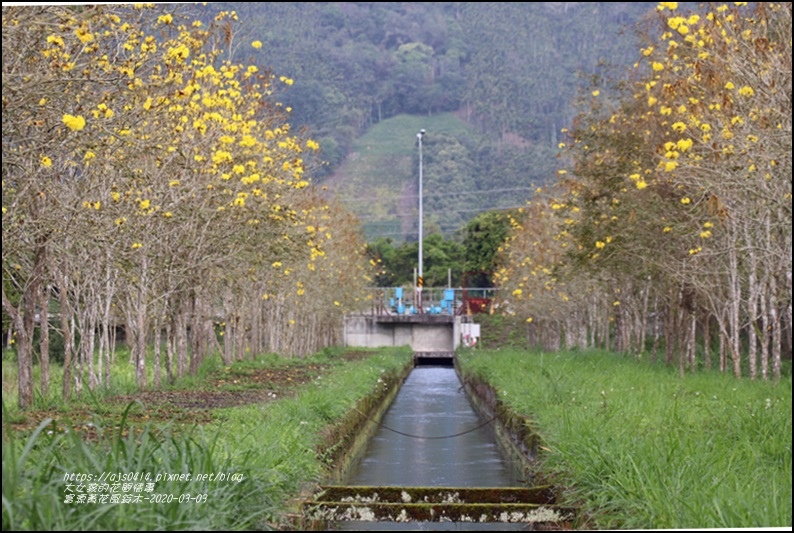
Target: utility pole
(420, 281)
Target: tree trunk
(157, 348)
(707, 341)
(169, 351)
(228, 331)
(181, 341)
(752, 310)
(66, 331)
(44, 344)
(692, 344)
(139, 342)
(23, 343)
(735, 292)
(766, 328)
(776, 334)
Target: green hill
(378, 180)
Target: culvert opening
(446, 359)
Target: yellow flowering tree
(677, 199)
(149, 178)
(726, 82)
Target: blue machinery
(445, 306)
(437, 301)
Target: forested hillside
(508, 71)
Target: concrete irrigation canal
(441, 456)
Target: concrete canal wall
(423, 333)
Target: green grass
(270, 448)
(638, 447)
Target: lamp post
(420, 279)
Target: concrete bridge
(430, 336)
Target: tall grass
(38, 493)
(639, 447)
(268, 448)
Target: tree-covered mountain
(510, 71)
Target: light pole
(420, 279)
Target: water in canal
(430, 437)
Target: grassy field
(632, 445)
(251, 431)
(637, 447)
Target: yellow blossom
(179, 53)
(686, 201)
(729, 85)
(74, 123)
(136, 245)
(257, 44)
(55, 39)
(221, 156)
(680, 127)
(84, 35)
(669, 166)
(600, 244)
(143, 204)
(657, 66)
(746, 91)
(46, 161)
(641, 184)
(705, 234)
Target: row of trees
(673, 220)
(149, 180)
